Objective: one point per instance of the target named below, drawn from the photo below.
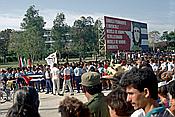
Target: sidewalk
(48, 104)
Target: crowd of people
(142, 84)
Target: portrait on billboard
(136, 35)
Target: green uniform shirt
(98, 106)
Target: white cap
(162, 83)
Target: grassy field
(15, 64)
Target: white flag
(51, 59)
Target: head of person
(117, 104)
(91, 83)
(27, 96)
(141, 86)
(18, 110)
(72, 107)
(171, 91)
(54, 65)
(162, 89)
(136, 35)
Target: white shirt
(66, 71)
(170, 66)
(138, 113)
(55, 73)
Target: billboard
(125, 35)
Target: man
(171, 90)
(26, 103)
(142, 91)
(92, 88)
(77, 78)
(55, 79)
(67, 80)
(118, 107)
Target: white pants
(67, 83)
(56, 85)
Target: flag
(51, 59)
(29, 62)
(21, 62)
(26, 79)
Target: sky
(158, 14)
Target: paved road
(48, 104)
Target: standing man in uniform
(92, 89)
(55, 79)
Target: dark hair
(117, 101)
(27, 96)
(140, 79)
(171, 88)
(54, 65)
(72, 107)
(92, 89)
(163, 91)
(18, 110)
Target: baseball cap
(90, 79)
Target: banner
(51, 59)
(125, 35)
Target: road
(48, 104)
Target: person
(67, 80)
(26, 103)
(118, 107)
(72, 107)
(77, 77)
(163, 94)
(136, 38)
(48, 80)
(55, 79)
(92, 88)
(22, 111)
(171, 90)
(142, 91)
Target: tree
(33, 26)
(154, 37)
(85, 35)
(4, 42)
(60, 32)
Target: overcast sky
(158, 14)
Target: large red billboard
(118, 34)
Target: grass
(15, 64)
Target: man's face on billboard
(136, 34)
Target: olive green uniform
(98, 106)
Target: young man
(118, 107)
(142, 92)
(55, 79)
(171, 90)
(92, 88)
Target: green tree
(60, 32)
(84, 37)
(154, 36)
(33, 26)
(4, 42)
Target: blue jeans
(78, 80)
(48, 85)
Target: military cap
(90, 79)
